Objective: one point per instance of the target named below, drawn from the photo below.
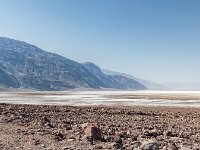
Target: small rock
(92, 130)
(48, 125)
(172, 146)
(44, 120)
(118, 138)
(116, 145)
(59, 136)
(135, 145)
(150, 133)
(34, 142)
(68, 128)
(98, 147)
(164, 148)
(71, 139)
(150, 145)
(134, 137)
(106, 138)
(167, 133)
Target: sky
(158, 40)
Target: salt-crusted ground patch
(108, 98)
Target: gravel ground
(42, 127)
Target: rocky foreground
(92, 128)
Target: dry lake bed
(106, 98)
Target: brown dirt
(39, 127)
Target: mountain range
(149, 84)
(23, 65)
(115, 81)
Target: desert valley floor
(129, 120)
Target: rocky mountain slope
(113, 81)
(149, 84)
(26, 66)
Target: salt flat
(107, 98)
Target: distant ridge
(150, 85)
(113, 81)
(23, 65)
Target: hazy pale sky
(157, 40)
